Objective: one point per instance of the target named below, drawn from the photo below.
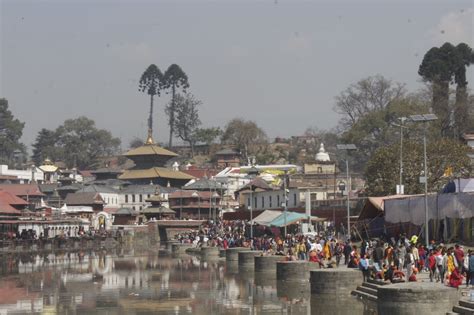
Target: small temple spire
(149, 139)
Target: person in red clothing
(455, 279)
(432, 264)
(225, 243)
(412, 277)
(422, 254)
(459, 255)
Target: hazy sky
(280, 63)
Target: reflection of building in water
(35, 263)
(16, 299)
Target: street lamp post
(347, 148)
(285, 202)
(425, 119)
(400, 189)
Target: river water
(152, 282)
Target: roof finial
(149, 139)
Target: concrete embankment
(53, 245)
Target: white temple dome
(322, 155)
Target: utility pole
(424, 179)
(347, 148)
(400, 190)
(285, 201)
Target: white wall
(263, 198)
(25, 176)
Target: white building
(135, 196)
(110, 196)
(25, 176)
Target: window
(278, 201)
(320, 169)
(126, 198)
(294, 199)
(148, 196)
(141, 198)
(263, 202)
(254, 202)
(248, 202)
(133, 198)
(270, 201)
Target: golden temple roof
(150, 149)
(154, 172)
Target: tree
(462, 117)
(45, 146)
(151, 82)
(11, 130)
(379, 128)
(174, 79)
(77, 142)
(370, 94)
(135, 143)
(208, 135)
(382, 172)
(436, 69)
(186, 122)
(247, 136)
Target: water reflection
(128, 282)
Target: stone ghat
(416, 298)
(303, 280)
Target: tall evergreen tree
(463, 58)
(45, 146)
(150, 83)
(437, 68)
(174, 79)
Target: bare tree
(186, 121)
(364, 96)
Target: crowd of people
(394, 260)
(403, 259)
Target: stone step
(367, 290)
(364, 295)
(466, 304)
(377, 282)
(463, 310)
(371, 285)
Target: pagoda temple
(150, 160)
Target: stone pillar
(335, 281)
(295, 271)
(210, 252)
(267, 264)
(232, 254)
(413, 298)
(170, 243)
(246, 258)
(180, 248)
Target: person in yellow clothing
(451, 263)
(301, 250)
(327, 251)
